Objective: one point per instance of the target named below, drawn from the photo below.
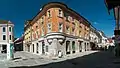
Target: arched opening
(43, 47)
(80, 46)
(67, 47)
(73, 47)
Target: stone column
(35, 48)
(64, 48)
(55, 41)
(71, 50)
(76, 46)
(89, 46)
(23, 46)
(53, 48)
(0, 48)
(83, 46)
(31, 48)
(40, 48)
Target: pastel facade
(57, 28)
(104, 41)
(6, 34)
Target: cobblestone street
(90, 59)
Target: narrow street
(95, 60)
(103, 59)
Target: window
(73, 30)
(42, 31)
(49, 27)
(79, 31)
(42, 20)
(10, 29)
(33, 47)
(37, 47)
(49, 15)
(4, 37)
(80, 26)
(4, 30)
(60, 13)
(10, 37)
(67, 29)
(36, 27)
(37, 32)
(60, 27)
(46, 48)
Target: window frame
(49, 27)
(4, 37)
(60, 13)
(10, 37)
(10, 29)
(60, 27)
(3, 29)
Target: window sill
(60, 16)
(49, 17)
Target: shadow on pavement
(102, 59)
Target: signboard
(10, 51)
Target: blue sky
(95, 11)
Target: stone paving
(89, 59)
(28, 59)
(3, 57)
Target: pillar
(0, 48)
(53, 48)
(77, 46)
(40, 48)
(83, 46)
(71, 51)
(64, 48)
(31, 48)
(23, 46)
(35, 48)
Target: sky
(95, 11)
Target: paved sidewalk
(27, 59)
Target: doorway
(80, 46)
(67, 47)
(4, 48)
(73, 47)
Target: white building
(6, 34)
(104, 41)
(94, 37)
